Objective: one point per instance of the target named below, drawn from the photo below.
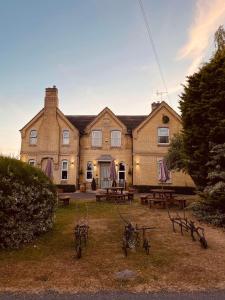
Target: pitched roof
(81, 121)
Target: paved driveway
(214, 295)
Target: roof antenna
(161, 95)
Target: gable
(106, 118)
(162, 109)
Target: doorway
(105, 181)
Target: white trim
(65, 138)
(66, 169)
(89, 171)
(116, 140)
(95, 138)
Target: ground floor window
(121, 171)
(32, 162)
(89, 171)
(64, 170)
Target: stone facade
(81, 147)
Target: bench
(144, 199)
(129, 195)
(65, 200)
(100, 196)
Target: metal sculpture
(81, 235)
(189, 226)
(131, 236)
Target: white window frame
(32, 162)
(158, 136)
(66, 139)
(121, 171)
(89, 163)
(96, 141)
(33, 137)
(63, 169)
(116, 140)
(170, 173)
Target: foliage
(176, 158)
(203, 114)
(27, 199)
(212, 206)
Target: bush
(205, 212)
(27, 200)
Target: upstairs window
(89, 171)
(96, 138)
(163, 135)
(32, 162)
(64, 170)
(116, 138)
(33, 137)
(66, 137)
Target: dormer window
(96, 138)
(116, 138)
(33, 137)
(163, 135)
(66, 137)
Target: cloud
(209, 14)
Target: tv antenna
(160, 94)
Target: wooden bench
(181, 202)
(153, 201)
(144, 199)
(129, 195)
(100, 196)
(65, 200)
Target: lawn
(174, 263)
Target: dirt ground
(175, 262)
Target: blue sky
(98, 54)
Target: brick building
(81, 147)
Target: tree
(202, 107)
(176, 158)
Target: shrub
(27, 200)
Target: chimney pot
(155, 105)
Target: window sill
(96, 147)
(163, 144)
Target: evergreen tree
(203, 112)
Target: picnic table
(163, 197)
(115, 194)
(162, 193)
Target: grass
(174, 263)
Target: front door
(104, 175)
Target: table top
(115, 188)
(162, 191)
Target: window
(89, 171)
(96, 138)
(33, 137)
(32, 162)
(66, 137)
(64, 170)
(163, 135)
(116, 138)
(121, 171)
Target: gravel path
(213, 295)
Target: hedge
(27, 201)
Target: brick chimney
(155, 105)
(51, 97)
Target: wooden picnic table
(162, 193)
(114, 190)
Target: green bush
(27, 200)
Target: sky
(98, 54)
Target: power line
(153, 45)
